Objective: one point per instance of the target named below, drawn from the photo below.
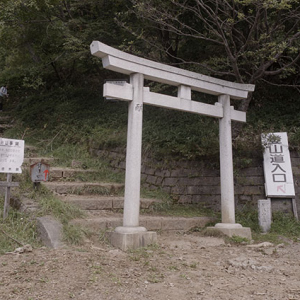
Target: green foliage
(17, 227)
(242, 41)
(238, 240)
(248, 217)
(173, 133)
(45, 42)
(285, 225)
(73, 234)
(59, 209)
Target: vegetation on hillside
(55, 84)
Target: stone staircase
(102, 202)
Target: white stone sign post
(11, 160)
(277, 166)
(131, 235)
(264, 214)
(279, 182)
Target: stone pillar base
(233, 230)
(133, 240)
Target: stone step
(94, 202)
(102, 221)
(84, 188)
(34, 160)
(58, 173)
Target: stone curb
(50, 231)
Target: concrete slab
(152, 223)
(88, 202)
(96, 202)
(100, 188)
(126, 241)
(233, 230)
(50, 231)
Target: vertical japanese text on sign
(277, 166)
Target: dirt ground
(182, 266)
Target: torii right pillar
(228, 225)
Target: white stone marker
(131, 234)
(264, 214)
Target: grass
(66, 155)
(284, 226)
(16, 230)
(71, 123)
(20, 228)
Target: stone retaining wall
(199, 182)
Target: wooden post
(7, 196)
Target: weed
(248, 217)
(238, 240)
(184, 276)
(61, 210)
(285, 224)
(153, 278)
(153, 269)
(43, 279)
(93, 278)
(97, 269)
(73, 234)
(173, 268)
(18, 228)
(115, 279)
(142, 253)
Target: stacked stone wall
(190, 182)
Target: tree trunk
(237, 126)
(244, 105)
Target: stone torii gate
(131, 235)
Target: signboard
(39, 172)
(277, 166)
(11, 155)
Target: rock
(24, 249)
(261, 245)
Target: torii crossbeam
(131, 235)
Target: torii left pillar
(131, 235)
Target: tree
(47, 41)
(247, 41)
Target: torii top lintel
(125, 63)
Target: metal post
(7, 196)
